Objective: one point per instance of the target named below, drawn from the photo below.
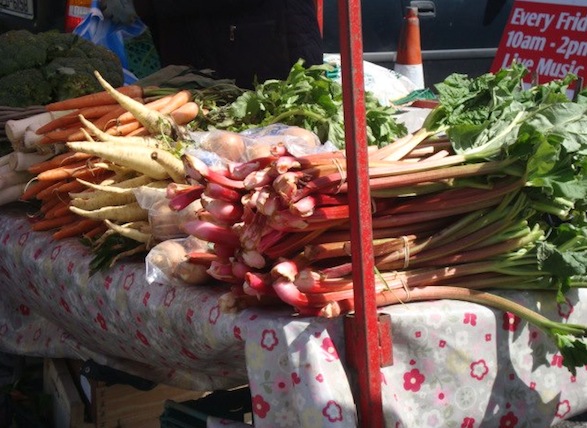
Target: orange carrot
(58, 210)
(70, 186)
(73, 117)
(52, 223)
(50, 191)
(109, 118)
(124, 129)
(186, 113)
(95, 99)
(91, 173)
(57, 161)
(61, 172)
(139, 132)
(33, 189)
(176, 101)
(75, 229)
(60, 122)
(62, 135)
(101, 123)
(98, 230)
(47, 206)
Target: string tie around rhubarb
(343, 174)
(406, 251)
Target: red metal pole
(365, 335)
(320, 14)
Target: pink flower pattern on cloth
(454, 363)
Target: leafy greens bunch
(540, 136)
(307, 98)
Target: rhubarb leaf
(561, 263)
(573, 350)
(567, 120)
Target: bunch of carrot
(104, 111)
(111, 147)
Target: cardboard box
(122, 406)
(105, 406)
(68, 408)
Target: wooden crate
(68, 408)
(108, 406)
(122, 406)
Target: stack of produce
(105, 147)
(88, 188)
(497, 203)
(490, 193)
(37, 69)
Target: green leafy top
(307, 98)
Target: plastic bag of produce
(167, 263)
(218, 146)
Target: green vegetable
(51, 66)
(308, 99)
(544, 134)
(26, 88)
(71, 77)
(20, 50)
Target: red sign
(549, 37)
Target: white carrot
(152, 120)
(105, 137)
(172, 164)
(108, 196)
(120, 187)
(121, 213)
(128, 155)
(129, 231)
(102, 199)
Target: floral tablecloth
(455, 364)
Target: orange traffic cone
(75, 12)
(408, 61)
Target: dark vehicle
(457, 36)
(32, 15)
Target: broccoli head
(51, 66)
(72, 77)
(71, 73)
(25, 88)
(20, 50)
(57, 43)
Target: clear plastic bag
(167, 263)
(218, 146)
(165, 223)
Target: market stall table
(454, 363)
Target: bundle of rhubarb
(490, 193)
